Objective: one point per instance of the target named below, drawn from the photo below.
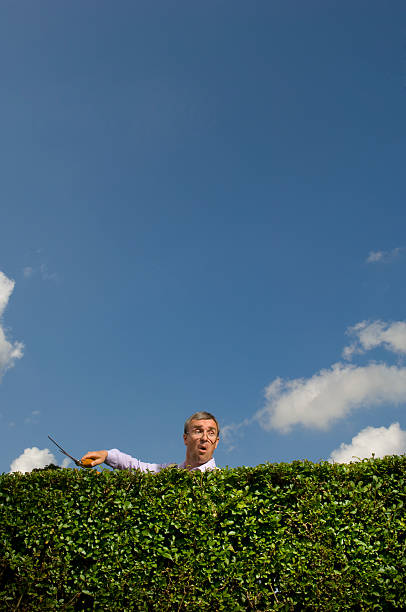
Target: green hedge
(276, 537)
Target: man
(201, 437)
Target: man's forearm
(121, 461)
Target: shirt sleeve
(120, 461)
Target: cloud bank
(35, 458)
(333, 393)
(9, 351)
(377, 333)
(379, 441)
(330, 395)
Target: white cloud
(32, 458)
(35, 458)
(329, 395)
(6, 289)
(9, 352)
(383, 256)
(370, 335)
(379, 441)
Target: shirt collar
(209, 465)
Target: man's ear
(185, 438)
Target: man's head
(201, 437)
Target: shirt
(118, 460)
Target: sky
(202, 208)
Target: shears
(84, 464)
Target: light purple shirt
(118, 460)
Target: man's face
(201, 440)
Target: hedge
(298, 536)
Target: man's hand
(96, 457)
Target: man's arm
(121, 461)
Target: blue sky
(199, 202)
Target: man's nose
(204, 436)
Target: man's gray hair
(201, 416)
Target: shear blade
(76, 461)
